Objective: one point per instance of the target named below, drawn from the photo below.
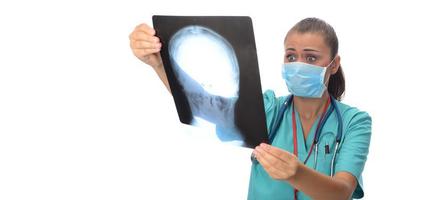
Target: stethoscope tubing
(278, 121)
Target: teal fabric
(351, 156)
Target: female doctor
(319, 145)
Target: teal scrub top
(350, 157)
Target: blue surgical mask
(304, 80)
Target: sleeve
(272, 105)
(269, 102)
(354, 149)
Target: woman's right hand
(146, 46)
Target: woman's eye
(291, 58)
(311, 59)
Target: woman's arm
(320, 186)
(162, 75)
(285, 166)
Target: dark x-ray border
(238, 31)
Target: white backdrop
(82, 118)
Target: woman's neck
(310, 108)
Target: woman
(307, 157)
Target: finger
(145, 52)
(148, 29)
(275, 170)
(277, 152)
(145, 28)
(262, 160)
(270, 158)
(144, 45)
(142, 36)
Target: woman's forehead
(301, 41)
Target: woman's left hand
(278, 163)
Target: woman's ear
(335, 65)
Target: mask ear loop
(331, 62)
(328, 79)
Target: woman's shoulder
(270, 100)
(350, 110)
(353, 115)
(270, 94)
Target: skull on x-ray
(206, 66)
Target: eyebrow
(293, 49)
(311, 50)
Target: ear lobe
(336, 64)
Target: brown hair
(336, 84)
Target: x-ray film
(211, 65)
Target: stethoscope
(277, 123)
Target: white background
(82, 118)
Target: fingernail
(266, 146)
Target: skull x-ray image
(211, 66)
(219, 74)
